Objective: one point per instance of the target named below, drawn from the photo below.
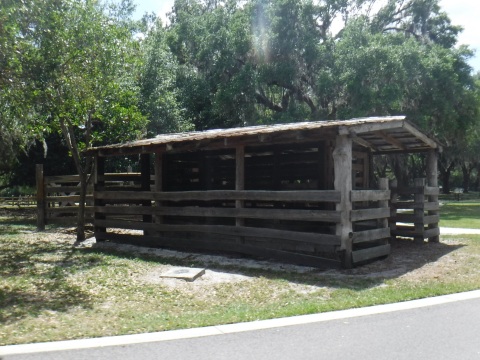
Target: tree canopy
(86, 70)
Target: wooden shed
(298, 192)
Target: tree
(159, 93)
(81, 66)
(18, 127)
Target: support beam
(158, 169)
(145, 183)
(419, 211)
(239, 178)
(391, 140)
(419, 135)
(98, 186)
(342, 157)
(432, 181)
(41, 204)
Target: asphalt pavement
(446, 327)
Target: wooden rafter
(391, 140)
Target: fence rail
(18, 200)
(417, 218)
(58, 196)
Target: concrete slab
(183, 273)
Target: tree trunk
(81, 207)
(84, 168)
(466, 171)
(445, 166)
(445, 173)
(477, 179)
(399, 165)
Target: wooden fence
(19, 201)
(58, 196)
(415, 211)
(291, 226)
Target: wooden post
(432, 180)
(145, 184)
(419, 213)
(342, 158)
(158, 168)
(393, 208)
(239, 179)
(41, 204)
(383, 185)
(99, 185)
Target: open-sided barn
(299, 192)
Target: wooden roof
(379, 134)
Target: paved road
(438, 328)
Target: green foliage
(261, 61)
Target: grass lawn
(50, 290)
(460, 214)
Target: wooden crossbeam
(391, 140)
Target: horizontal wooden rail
(66, 189)
(213, 195)
(274, 214)
(426, 190)
(370, 195)
(296, 236)
(370, 253)
(369, 214)
(370, 235)
(67, 198)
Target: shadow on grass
(35, 274)
(406, 256)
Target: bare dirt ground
(408, 261)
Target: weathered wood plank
(214, 195)
(284, 256)
(370, 253)
(65, 189)
(62, 178)
(370, 195)
(432, 189)
(277, 214)
(67, 198)
(370, 235)
(41, 203)
(342, 157)
(313, 238)
(369, 214)
(239, 179)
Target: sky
(461, 12)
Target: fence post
(383, 185)
(40, 181)
(432, 180)
(342, 160)
(419, 210)
(393, 208)
(99, 185)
